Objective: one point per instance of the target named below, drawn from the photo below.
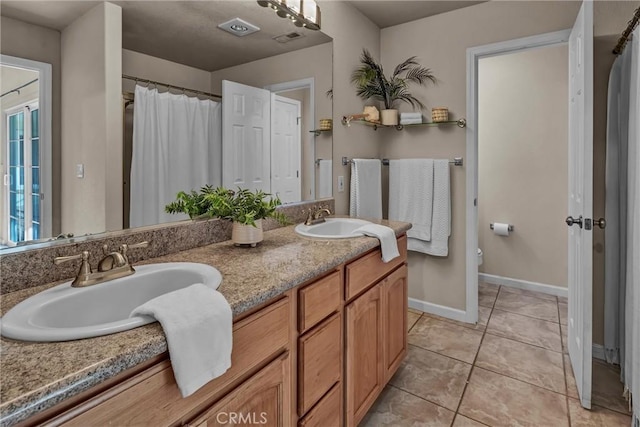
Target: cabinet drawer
(327, 413)
(152, 397)
(319, 300)
(367, 270)
(319, 360)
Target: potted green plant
(371, 82)
(245, 208)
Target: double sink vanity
(319, 329)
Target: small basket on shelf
(326, 124)
(439, 114)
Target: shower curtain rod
(183, 89)
(18, 88)
(626, 34)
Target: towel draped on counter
(197, 322)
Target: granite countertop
(37, 376)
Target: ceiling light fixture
(303, 13)
(238, 27)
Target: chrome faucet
(112, 266)
(314, 215)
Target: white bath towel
(441, 218)
(197, 322)
(325, 175)
(440, 229)
(366, 188)
(387, 237)
(411, 195)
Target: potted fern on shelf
(371, 83)
(245, 208)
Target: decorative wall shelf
(347, 122)
(318, 132)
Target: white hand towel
(387, 237)
(441, 219)
(197, 322)
(325, 176)
(366, 188)
(411, 195)
(412, 115)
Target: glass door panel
(16, 178)
(24, 206)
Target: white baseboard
(523, 284)
(597, 352)
(438, 310)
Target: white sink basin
(64, 313)
(333, 228)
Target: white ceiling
(385, 13)
(181, 31)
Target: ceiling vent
(286, 38)
(238, 27)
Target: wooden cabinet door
(264, 399)
(364, 350)
(394, 298)
(319, 361)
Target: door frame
(474, 54)
(45, 110)
(307, 83)
(298, 105)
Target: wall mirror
(162, 75)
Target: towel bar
(457, 161)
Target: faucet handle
(85, 268)
(84, 255)
(135, 245)
(124, 248)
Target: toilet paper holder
(510, 227)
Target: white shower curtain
(622, 238)
(177, 146)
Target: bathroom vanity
(319, 329)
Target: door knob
(572, 221)
(602, 223)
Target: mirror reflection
(145, 105)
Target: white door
(285, 149)
(246, 134)
(580, 198)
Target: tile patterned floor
(511, 369)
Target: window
(23, 152)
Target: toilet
(479, 256)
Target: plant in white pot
(245, 208)
(371, 83)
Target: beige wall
(149, 67)
(522, 164)
(351, 32)
(40, 44)
(442, 280)
(92, 121)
